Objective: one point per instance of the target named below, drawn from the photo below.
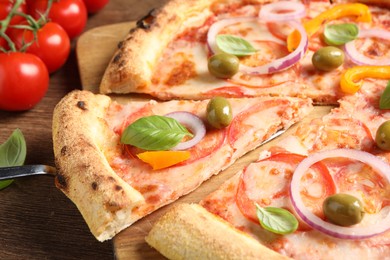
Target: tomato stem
(5, 23)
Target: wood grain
(37, 221)
(94, 50)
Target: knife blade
(12, 172)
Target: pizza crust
(83, 172)
(131, 66)
(189, 231)
(130, 69)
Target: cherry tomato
(5, 8)
(52, 45)
(70, 14)
(24, 80)
(3, 43)
(93, 6)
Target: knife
(12, 172)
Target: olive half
(382, 137)
(219, 112)
(223, 65)
(343, 209)
(328, 58)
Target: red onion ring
(360, 58)
(194, 123)
(285, 62)
(271, 12)
(326, 227)
(272, 67)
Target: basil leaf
(384, 101)
(234, 45)
(276, 220)
(338, 34)
(154, 133)
(12, 153)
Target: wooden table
(36, 220)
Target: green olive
(223, 65)
(383, 136)
(219, 112)
(343, 209)
(328, 58)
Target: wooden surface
(36, 220)
(94, 50)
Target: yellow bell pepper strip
(163, 159)
(350, 80)
(361, 12)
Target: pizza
(167, 54)
(114, 182)
(220, 78)
(332, 157)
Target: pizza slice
(119, 162)
(168, 54)
(330, 175)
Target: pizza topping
(223, 65)
(234, 45)
(163, 159)
(193, 123)
(383, 136)
(282, 11)
(360, 11)
(276, 220)
(362, 59)
(154, 133)
(284, 62)
(351, 79)
(338, 34)
(219, 112)
(384, 101)
(343, 209)
(216, 27)
(328, 58)
(271, 67)
(382, 218)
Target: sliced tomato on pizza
(168, 54)
(324, 171)
(115, 178)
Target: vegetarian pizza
(200, 49)
(320, 193)
(120, 162)
(223, 76)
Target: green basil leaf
(276, 220)
(384, 101)
(5, 184)
(338, 34)
(234, 45)
(12, 153)
(154, 133)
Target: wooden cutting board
(94, 50)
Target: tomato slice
(142, 112)
(267, 181)
(228, 92)
(212, 141)
(337, 131)
(361, 180)
(242, 122)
